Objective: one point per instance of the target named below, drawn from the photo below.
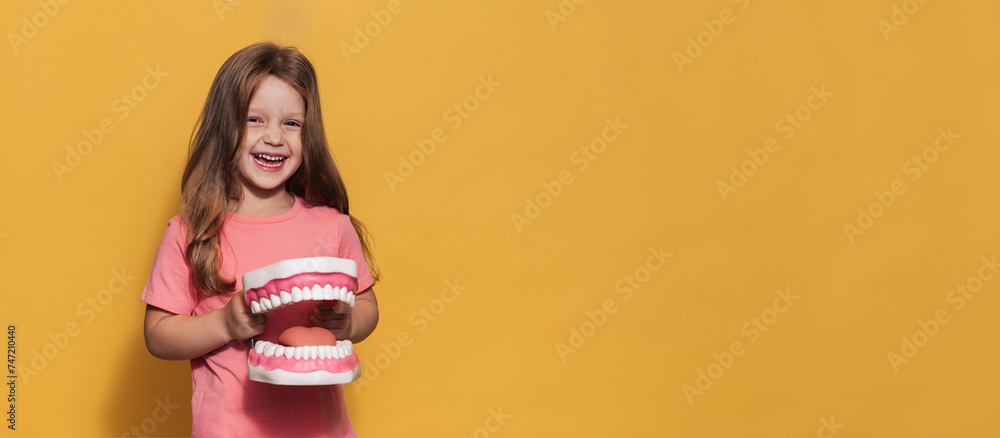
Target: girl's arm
(364, 317)
(178, 337)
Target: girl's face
(272, 148)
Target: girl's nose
(273, 136)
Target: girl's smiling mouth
(268, 162)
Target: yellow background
(496, 345)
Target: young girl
(260, 186)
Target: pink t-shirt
(224, 401)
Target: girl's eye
(290, 122)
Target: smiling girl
(260, 186)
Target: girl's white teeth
(341, 350)
(316, 292)
(272, 161)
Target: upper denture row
(259, 299)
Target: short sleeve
(169, 286)
(350, 248)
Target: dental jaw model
(302, 354)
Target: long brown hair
(212, 182)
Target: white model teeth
(269, 349)
(341, 350)
(316, 292)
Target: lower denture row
(329, 358)
(269, 349)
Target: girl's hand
(240, 323)
(335, 318)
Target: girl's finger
(341, 307)
(322, 323)
(330, 317)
